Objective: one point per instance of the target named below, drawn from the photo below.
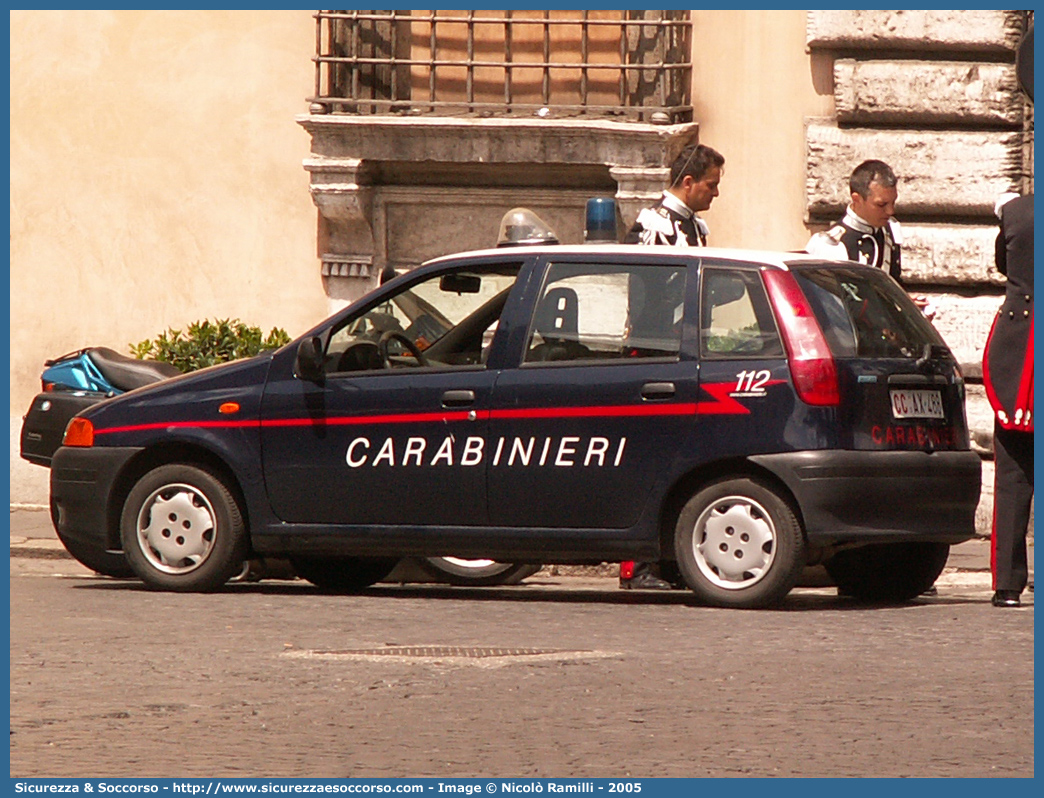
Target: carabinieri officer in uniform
(695, 175)
(867, 233)
(1007, 372)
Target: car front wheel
(888, 571)
(739, 544)
(182, 529)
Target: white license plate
(917, 404)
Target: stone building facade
(396, 192)
(933, 93)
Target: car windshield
(864, 313)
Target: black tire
(739, 544)
(202, 541)
(98, 560)
(888, 572)
(343, 574)
(476, 573)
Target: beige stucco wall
(156, 179)
(753, 85)
(156, 176)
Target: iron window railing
(631, 64)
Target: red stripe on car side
(677, 409)
(723, 404)
(179, 424)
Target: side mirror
(460, 283)
(309, 362)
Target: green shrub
(206, 343)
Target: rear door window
(865, 314)
(608, 312)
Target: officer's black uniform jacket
(874, 246)
(1007, 367)
(669, 223)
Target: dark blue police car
(740, 414)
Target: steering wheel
(390, 335)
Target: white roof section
(776, 258)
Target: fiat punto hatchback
(737, 414)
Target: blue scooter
(74, 382)
(100, 370)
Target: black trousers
(1012, 495)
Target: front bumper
(82, 485)
(881, 497)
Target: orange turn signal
(229, 407)
(79, 432)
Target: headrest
(558, 314)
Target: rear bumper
(879, 497)
(45, 422)
(82, 482)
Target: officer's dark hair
(694, 162)
(871, 172)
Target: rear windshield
(864, 313)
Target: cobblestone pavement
(562, 676)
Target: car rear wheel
(95, 558)
(182, 529)
(888, 572)
(476, 573)
(343, 574)
(739, 544)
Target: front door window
(446, 321)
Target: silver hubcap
(734, 542)
(176, 526)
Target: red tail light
(811, 363)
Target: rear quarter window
(864, 313)
(736, 321)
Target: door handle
(658, 390)
(458, 398)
